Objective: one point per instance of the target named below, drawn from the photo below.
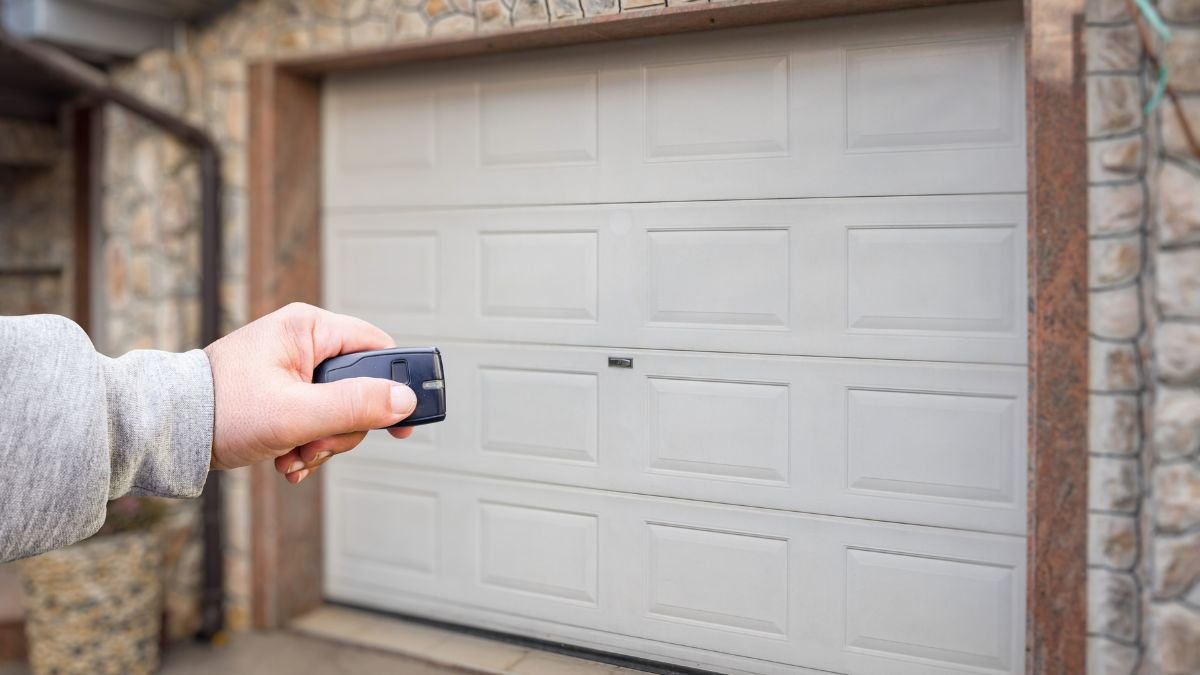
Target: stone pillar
(1173, 633)
(1118, 216)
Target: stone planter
(95, 607)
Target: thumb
(355, 404)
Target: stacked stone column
(1173, 633)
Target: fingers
(335, 334)
(313, 454)
(316, 411)
(301, 462)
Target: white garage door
(807, 240)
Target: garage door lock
(619, 362)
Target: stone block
(369, 33)
(1114, 104)
(1106, 11)
(1116, 209)
(1177, 352)
(1178, 287)
(1115, 158)
(1112, 541)
(1176, 565)
(1113, 48)
(1113, 367)
(1115, 314)
(491, 15)
(527, 12)
(1174, 636)
(1114, 261)
(599, 7)
(1179, 204)
(1113, 604)
(1113, 424)
(1113, 484)
(1182, 57)
(146, 169)
(565, 9)
(1176, 494)
(142, 230)
(329, 35)
(226, 71)
(174, 208)
(1180, 10)
(435, 9)
(409, 26)
(293, 37)
(641, 4)
(456, 24)
(1174, 140)
(140, 275)
(1106, 657)
(1176, 423)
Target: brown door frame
(285, 257)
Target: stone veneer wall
(1144, 202)
(36, 237)
(1144, 198)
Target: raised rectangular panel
(393, 271)
(389, 525)
(539, 275)
(539, 551)
(958, 446)
(387, 127)
(723, 277)
(940, 94)
(949, 279)
(717, 109)
(726, 430)
(723, 580)
(546, 121)
(952, 612)
(539, 414)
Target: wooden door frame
(285, 99)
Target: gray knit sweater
(78, 429)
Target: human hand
(267, 407)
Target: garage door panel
(753, 122)
(819, 592)
(934, 278)
(540, 552)
(936, 444)
(393, 551)
(738, 431)
(928, 103)
(540, 414)
(549, 276)
(950, 93)
(971, 627)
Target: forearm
(78, 429)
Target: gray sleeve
(78, 429)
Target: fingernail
(294, 466)
(403, 399)
(302, 475)
(321, 455)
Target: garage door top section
(906, 104)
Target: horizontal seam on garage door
(366, 209)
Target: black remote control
(418, 367)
